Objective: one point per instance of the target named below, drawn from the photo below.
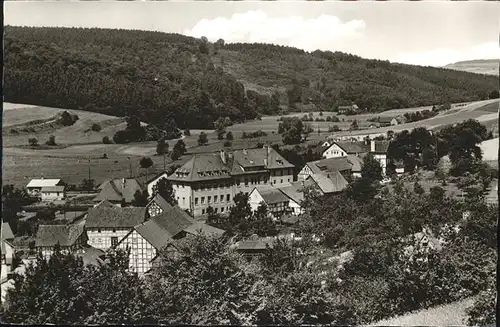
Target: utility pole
(130, 167)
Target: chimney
(372, 146)
(223, 157)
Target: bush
(106, 140)
(51, 141)
(96, 127)
(33, 141)
(227, 143)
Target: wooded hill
(158, 76)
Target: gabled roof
(7, 232)
(106, 215)
(118, 189)
(294, 192)
(356, 162)
(160, 230)
(271, 194)
(330, 165)
(42, 182)
(53, 189)
(385, 119)
(65, 235)
(353, 147)
(157, 176)
(329, 183)
(160, 201)
(200, 228)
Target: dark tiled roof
(155, 177)
(385, 119)
(116, 190)
(210, 166)
(161, 202)
(53, 189)
(381, 146)
(353, 147)
(65, 235)
(330, 165)
(256, 157)
(204, 166)
(106, 215)
(271, 194)
(160, 230)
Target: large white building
(213, 179)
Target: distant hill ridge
(170, 78)
(478, 66)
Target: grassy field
(453, 314)
(484, 111)
(78, 144)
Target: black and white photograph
(244, 163)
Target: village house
(359, 149)
(398, 120)
(277, 203)
(151, 184)
(254, 246)
(156, 206)
(328, 183)
(213, 179)
(357, 165)
(295, 196)
(334, 164)
(147, 239)
(46, 189)
(106, 224)
(118, 191)
(71, 238)
(8, 252)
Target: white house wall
(334, 151)
(141, 252)
(153, 183)
(255, 199)
(51, 196)
(102, 239)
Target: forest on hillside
(161, 77)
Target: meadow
(79, 144)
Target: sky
(420, 33)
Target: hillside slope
(481, 66)
(159, 77)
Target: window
(281, 181)
(222, 209)
(202, 200)
(202, 211)
(216, 209)
(195, 201)
(246, 181)
(209, 199)
(228, 197)
(114, 230)
(114, 241)
(289, 180)
(274, 182)
(98, 230)
(216, 199)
